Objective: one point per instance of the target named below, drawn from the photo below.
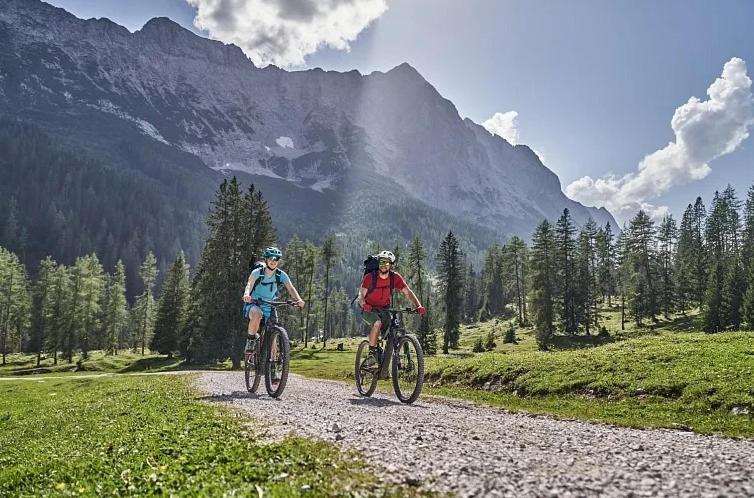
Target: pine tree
(666, 238)
(642, 261)
(731, 299)
(172, 309)
(515, 257)
(90, 306)
(718, 245)
(493, 296)
(418, 281)
(699, 251)
(747, 245)
(543, 286)
(711, 317)
(566, 267)
(684, 263)
(145, 302)
(471, 296)
(15, 302)
(116, 309)
(310, 257)
(328, 254)
(450, 277)
(586, 277)
(622, 272)
(41, 303)
(238, 227)
(747, 306)
(294, 264)
(56, 315)
(606, 263)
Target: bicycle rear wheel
(252, 371)
(365, 370)
(276, 367)
(408, 369)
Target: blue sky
(595, 84)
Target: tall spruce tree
(450, 277)
(543, 285)
(586, 277)
(328, 255)
(41, 302)
(747, 306)
(418, 278)
(699, 250)
(471, 295)
(172, 309)
(606, 263)
(566, 267)
(145, 307)
(642, 261)
(493, 295)
(684, 263)
(14, 301)
(310, 259)
(666, 238)
(57, 316)
(116, 310)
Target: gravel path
(456, 447)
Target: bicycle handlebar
(396, 310)
(288, 302)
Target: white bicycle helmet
(387, 255)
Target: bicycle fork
(386, 357)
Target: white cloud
(505, 125)
(704, 131)
(284, 32)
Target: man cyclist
(374, 296)
(263, 284)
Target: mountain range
(379, 157)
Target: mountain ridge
(88, 80)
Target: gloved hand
(421, 310)
(366, 308)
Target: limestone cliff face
(90, 79)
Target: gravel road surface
(466, 450)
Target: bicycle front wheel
(365, 370)
(278, 356)
(408, 369)
(252, 370)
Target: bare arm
(293, 292)
(362, 296)
(411, 296)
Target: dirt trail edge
(468, 450)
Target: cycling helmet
(273, 252)
(387, 255)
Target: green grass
(660, 379)
(26, 364)
(127, 435)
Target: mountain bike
(402, 350)
(270, 356)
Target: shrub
(478, 346)
(510, 336)
(490, 344)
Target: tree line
(559, 284)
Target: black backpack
(372, 265)
(260, 264)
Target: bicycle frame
(390, 341)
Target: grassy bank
(683, 380)
(97, 361)
(151, 435)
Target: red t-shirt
(380, 296)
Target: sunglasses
(274, 259)
(385, 262)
